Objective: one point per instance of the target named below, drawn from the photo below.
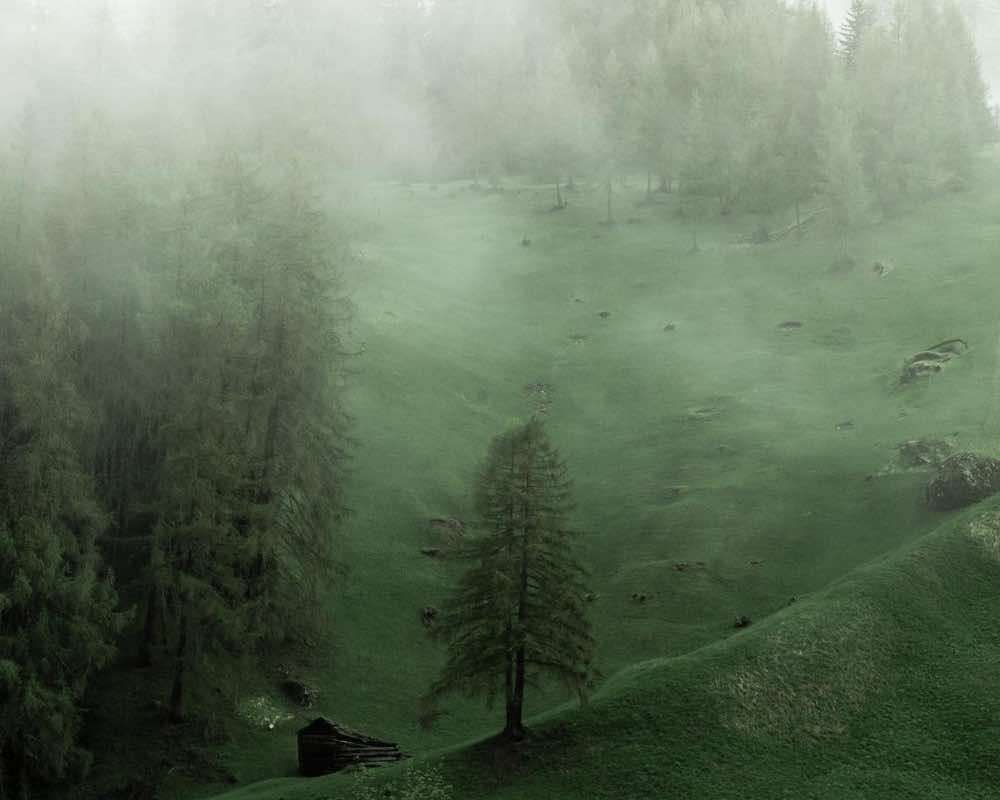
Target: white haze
(984, 19)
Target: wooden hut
(326, 747)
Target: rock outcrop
(963, 479)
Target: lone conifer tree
(519, 611)
(859, 18)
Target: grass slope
(884, 685)
(457, 317)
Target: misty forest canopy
(175, 182)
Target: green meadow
(724, 464)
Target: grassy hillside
(719, 443)
(884, 685)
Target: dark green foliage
(170, 364)
(57, 603)
(519, 612)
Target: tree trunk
(649, 185)
(152, 630)
(610, 217)
(514, 729)
(559, 198)
(177, 690)
(694, 240)
(13, 774)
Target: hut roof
(321, 726)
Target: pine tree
(852, 31)
(518, 613)
(844, 173)
(57, 603)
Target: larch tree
(519, 612)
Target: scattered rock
(578, 300)
(640, 597)
(452, 524)
(914, 370)
(790, 325)
(882, 268)
(604, 314)
(932, 360)
(703, 413)
(725, 450)
(430, 552)
(954, 346)
(846, 425)
(673, 492)
(755, 562)
(681, 566)
(449, 533)
(590, 597)
(428, 614)
(840, 338)
(922, 453)
(525, 242)
(577, 338)
(743, 622)
(963, 479)
(299, 693)
(670, 327)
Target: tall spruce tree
(852, 31)
(518, 613)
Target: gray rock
(923, 453)
(963, 479)
(299, 693)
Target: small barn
(325, 747)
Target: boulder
(447, 534)
(298, 692)
(932, 360)
(963, 479)
(428, 615)
(923, 453)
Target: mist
(446, 399)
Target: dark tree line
(172, 433)
(752, 105)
